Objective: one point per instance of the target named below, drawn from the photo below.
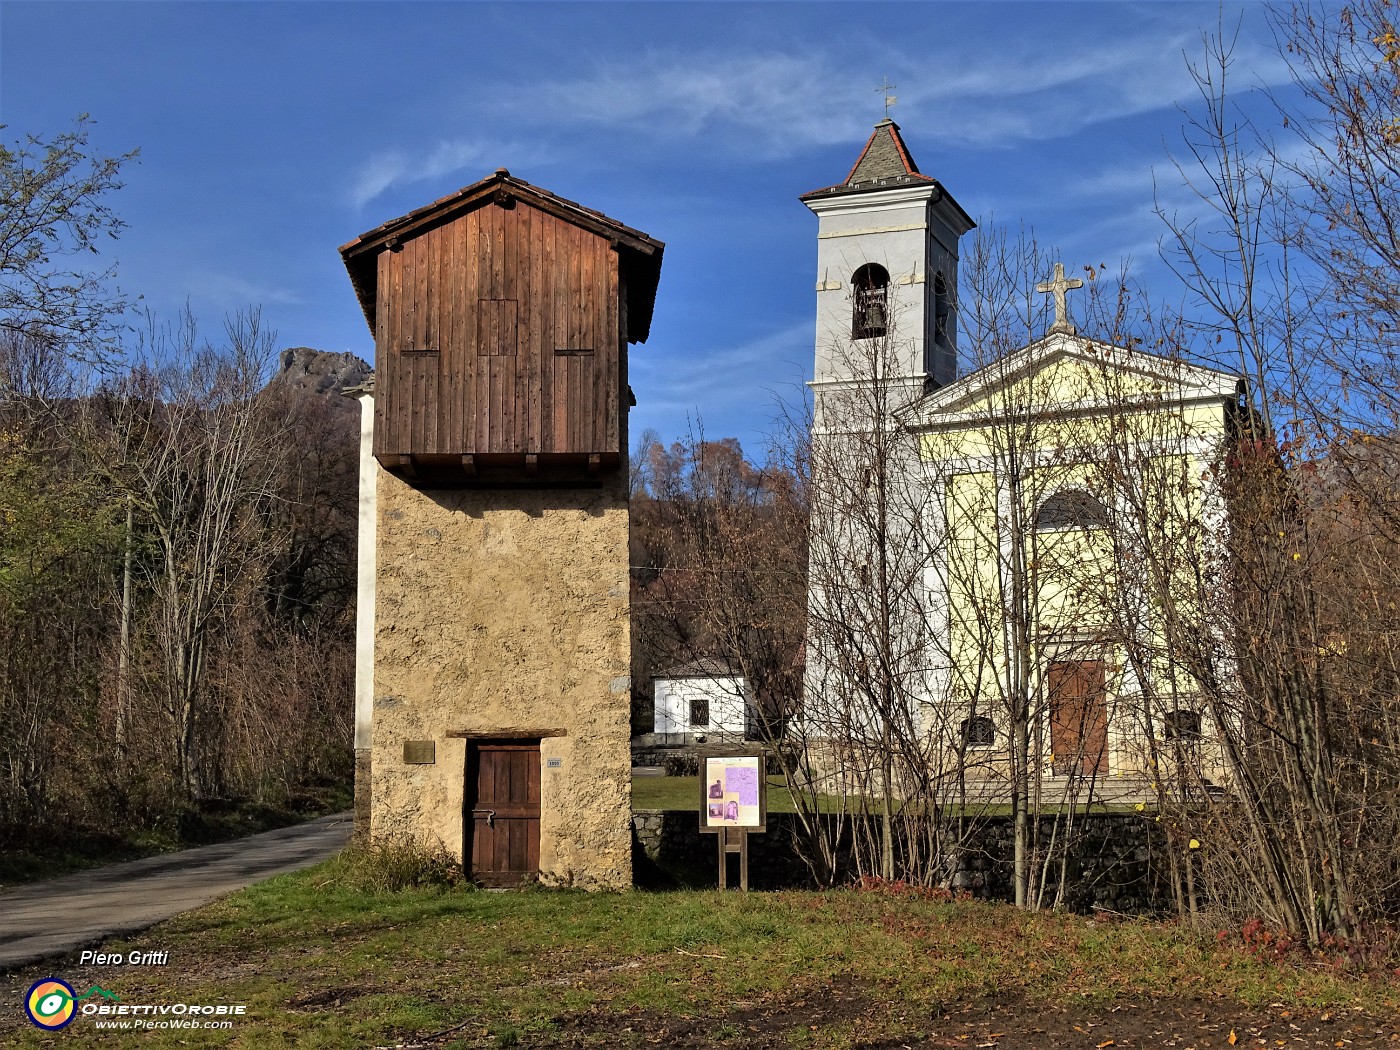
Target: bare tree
(934, 596)
(194, 458)
(1343, 162)
(720, 572)
(57, 532)
(971, 613)
(171, 567)
(1032, 645)
(1304, 837)
(870, 724)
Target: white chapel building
(1000, 560)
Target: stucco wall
(506, 612)
(727, 705)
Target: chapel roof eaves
(1209, 383)
(704, 667)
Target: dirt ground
(1007, 1024)
(858, 1017)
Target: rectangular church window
(1181, 725)
(979, 731)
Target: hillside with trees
(177, 545)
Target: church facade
(1002, 559)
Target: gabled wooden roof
(640, 255)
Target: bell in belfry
(875, 313)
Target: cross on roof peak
(1057, 287)
(885, 90)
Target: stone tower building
(493, 693)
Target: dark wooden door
(1078, 717)
(502, 810)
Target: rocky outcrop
(304, 371)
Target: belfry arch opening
(870, 302)
(939, 348)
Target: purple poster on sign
(731, 792)
(742, 781)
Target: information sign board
(733, 793)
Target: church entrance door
(502, 810)
(1078, 717)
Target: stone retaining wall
(1116, 861)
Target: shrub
(394, 864)
(682, 766)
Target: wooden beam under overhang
(403, 464)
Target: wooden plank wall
(499, 332)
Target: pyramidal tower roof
(883, 163)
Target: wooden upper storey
(501, 316)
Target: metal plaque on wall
(419, 752)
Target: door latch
(489, 814)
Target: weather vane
(885, 90)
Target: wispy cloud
(774, 103)
(713, 384)
(397, 167)
(1037, 91)
(226, 291)
(768, 95)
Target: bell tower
(887, 268)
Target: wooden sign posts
(733, 805)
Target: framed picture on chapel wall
(733, 793)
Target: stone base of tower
(502, 636)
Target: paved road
(62, 915)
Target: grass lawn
(318, 965)
(684, 793)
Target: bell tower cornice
(889, 199)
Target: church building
(1001, 555)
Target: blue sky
(272, 133)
